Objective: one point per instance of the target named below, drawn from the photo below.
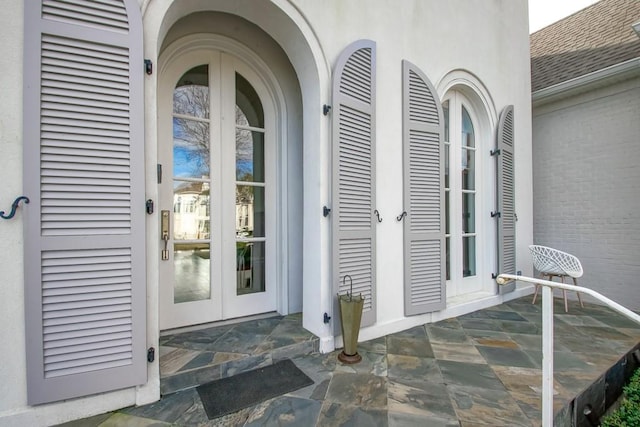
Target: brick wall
(586, 186)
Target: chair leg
(535, 295)
(564, 294)
(575, 283)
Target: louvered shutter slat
(60, 346)
(84, 240)
(506, 197)
(353, 186)
(75, 265)
(90, 13)
(424, 279)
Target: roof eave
(599, 78)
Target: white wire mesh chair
(554, 263)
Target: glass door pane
(468, 256)
(250, 267)
(250, 190)
(191, 272)
(468, 148)
(250, 211)
(447, 188)
(191, 228)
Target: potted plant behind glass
(351, 314)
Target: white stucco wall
(11, 262)
(486, 39)
(586, 155)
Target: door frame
(205, 41)
(484, 112)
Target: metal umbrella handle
(350, 293)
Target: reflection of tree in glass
(192, 136)
(244, 148)
(244, 160)
(191, 100)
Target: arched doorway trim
(475, 91)
(283, 22)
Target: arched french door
(463, 196)
(217, 190)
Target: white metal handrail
(547, 331)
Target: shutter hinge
(148, 66)
(151, 354)
(495, 214)
(495, 152)
(325, 109)
(325, 211)
(326, 318)
(149, 206)
(159, 172)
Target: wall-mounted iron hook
(14, 207)
(377, 215)
(401, 216)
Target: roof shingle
(594, 38)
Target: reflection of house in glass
(244, 214)
(191, 211)
(249, 255)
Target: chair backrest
(552, 261)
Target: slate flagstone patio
(480, 369)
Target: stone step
(204, 371)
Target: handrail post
(547, 330)
(547, 356)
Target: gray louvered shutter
(353, 167)
(423, 171)
(84, 173)
(506, 197)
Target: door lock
(164, 231)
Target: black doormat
(228, 395)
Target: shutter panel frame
(505, 142)
(85, 290)
(424, 224)
(353, 229)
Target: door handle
(164, 232)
